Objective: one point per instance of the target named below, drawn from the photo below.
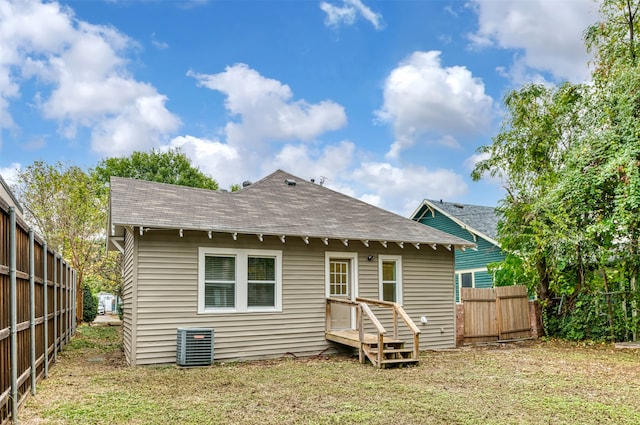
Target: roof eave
(117, 231)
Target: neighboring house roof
(280, 204)
(478, 220)
(5, 191)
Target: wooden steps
(394, 352)
(381, 350)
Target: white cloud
(423, 97)
(549, 32)
(266, 109)
(224, 163)
(160, 45)
(10, 173)
(84, 67)
(348, 12)
(402, 189)
(330, 161)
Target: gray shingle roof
(268, 207)
(479, 218)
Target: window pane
(338, 277)
(219, 295)
(467, 280)
(261, 268)
(220, 268)
(389, 271)
(261, 294)
(389, 292)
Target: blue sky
(387, 101)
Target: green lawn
(527, 383)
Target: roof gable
(279, 204)
(479, 220)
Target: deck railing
(364, 310)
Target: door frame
(353, 276)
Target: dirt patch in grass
(526, 383)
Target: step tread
(392, 350)
(391, 361)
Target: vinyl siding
(486, 253)
(167, 296)
(128, 297)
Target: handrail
(342, 301)
(362, 308)
(405, 317)
(379, 303)
(374, 320)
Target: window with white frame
(239, 280)
(390, 278)
(466, 280)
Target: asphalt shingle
(269, 207)
(482, 219)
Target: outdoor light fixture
(370, 258)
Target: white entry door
(341, 284)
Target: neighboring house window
(239, 280)
(390, 278)
(466, 280)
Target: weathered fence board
(37, 309)
(496, 314)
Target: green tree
(172, 167)
(64, 205)
(528, 156)
(570, 160)
(90, 305)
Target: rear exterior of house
(264, 293)
(161, 294)
(477, 224)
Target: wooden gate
(496, 314)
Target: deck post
(395, 323)
(360, 325)
(327, 316)
(380, 349)
(416, 346)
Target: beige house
(258, 265)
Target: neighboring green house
(474, 223)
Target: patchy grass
(528, 383)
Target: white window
(390, 278)
(339, 278)
(239, 280)
(466, 280)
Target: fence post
(46, 309)
(68, 291)
(32, 311)
(55, 307)
(75, 298)
(13, 314)
(60, 307)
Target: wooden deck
(352, 338)
(381, 350)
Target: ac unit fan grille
(194, 347)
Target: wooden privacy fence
(37, 310)
(496, 314)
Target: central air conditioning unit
(194, 347)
